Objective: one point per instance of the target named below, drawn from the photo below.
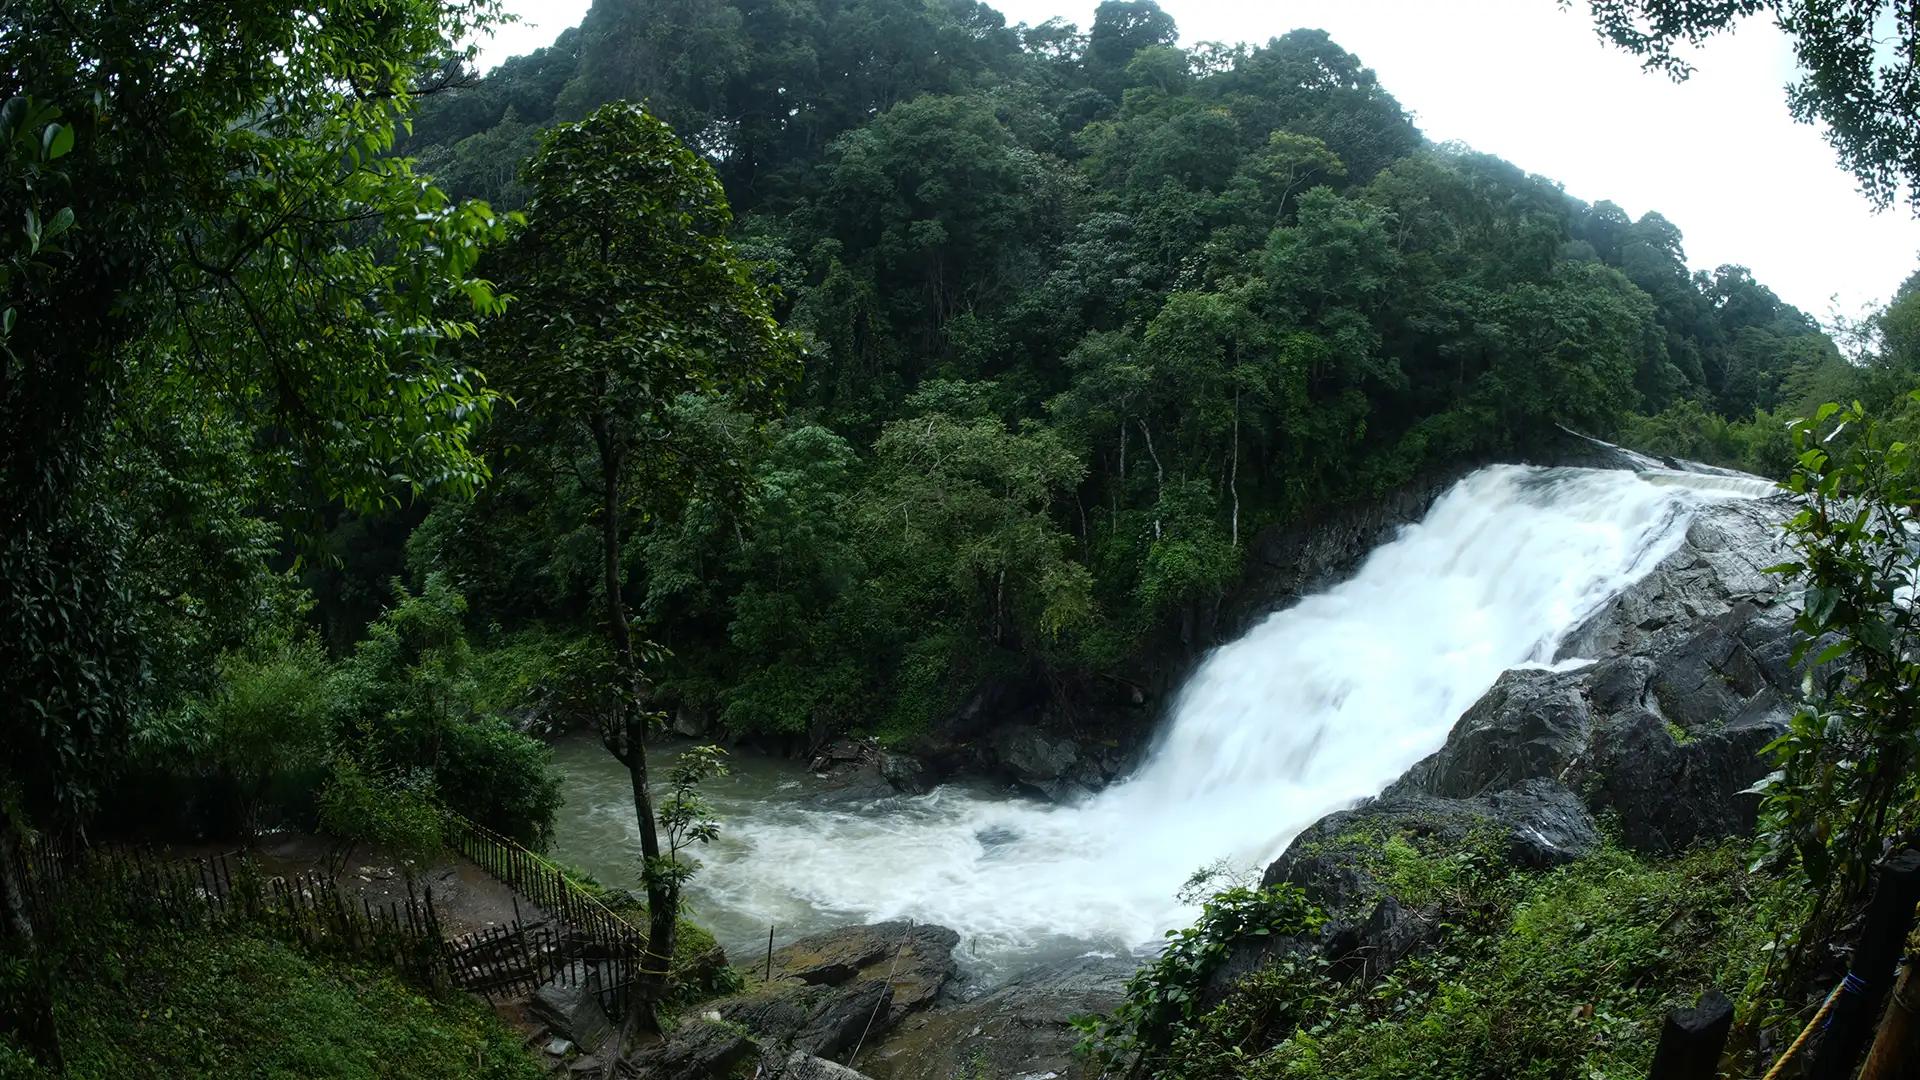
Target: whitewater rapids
(1322, 703)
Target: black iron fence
(575, 937)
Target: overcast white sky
(1718, 155)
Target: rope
(1852, 982)
(878, 1001)
(574, 887)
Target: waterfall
(1321, 704)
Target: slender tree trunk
(1159, 478)
(34, 1024)
(1233, 467)
(632, 738)
(13, 889)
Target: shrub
(1165, 997)
(398, 813)
(414, 696)
(500, 778)
(1565, 974)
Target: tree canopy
(203, 339)
(1083, 313)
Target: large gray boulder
(821, 1020)
(1720, 563)
(1022, 1029)
(830, 991)
(701, 1050)
(1664, 732)
(914, 961)
(573, 1011)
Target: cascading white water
(1323, 703)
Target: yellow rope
(1807, 1033)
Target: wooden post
(1691, 1040)
(1896, 1049)
(1882, 940)
(769, 952)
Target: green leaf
(1833, 652)
(57, 141)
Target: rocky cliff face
(1691, 677)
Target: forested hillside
(1082, 312)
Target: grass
(230, 1003)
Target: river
(1321, 704)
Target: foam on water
(1322, 703)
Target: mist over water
(1319, 705)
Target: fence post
(1691, 1040)
(1882, 940)
(1896, 1049)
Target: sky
(1717, 155)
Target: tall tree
(195, 231)
(631, 297)
(191, 190)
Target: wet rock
(829, 990)
(904, 773)
(803, 1066)
(1050, 765)
(915, 960)
(1665, 731)
(1717, 565)
(1286, 562)
(702, 1050)
(1021, 1029)
(817, 1019)
(842, 753)
(1545, 824)
(1530, 724)
(691, 723)
(1033, 756)
(1338, 862)
(573, 1012)
(1672, 771)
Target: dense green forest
(1080, 313)
(1032, 332)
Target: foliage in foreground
(226, 1002)
(1844, 792)
(1533, 976)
